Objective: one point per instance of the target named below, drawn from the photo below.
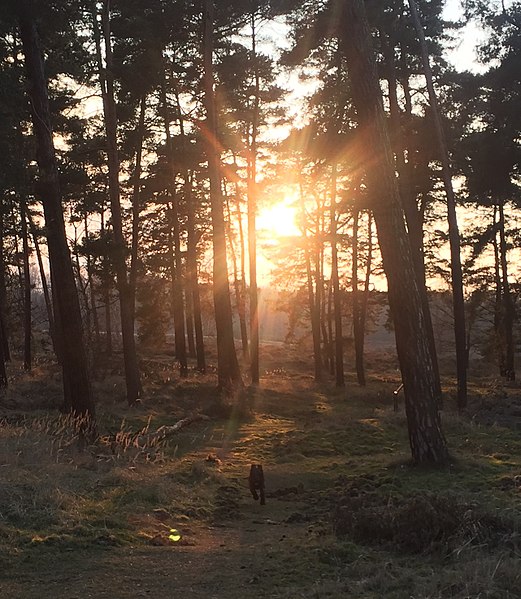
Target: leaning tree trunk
(43, 276)
(413, 214)
(454, 238)
(228, 371)
(77, 389)
(425, 436)
(132, 375)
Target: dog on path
(256, 482)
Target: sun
(278, 220)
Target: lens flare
(174, 535)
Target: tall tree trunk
(58, 344)
(365, 296)
(27, 289)
(3, 371)
(413, 214)
(106, 295)
(136, 204)
(243, 285)
(498, 303)
(175, 235)
(237, 283)
(320, 293)
(177, 302)
(43, 279)
(252, 214)
(337, 300)
(314, 308)
(328, 353)
(77, 390)
(228, 372)
(454, 238)
(4, 337)
(91, 297)
(425, 436)
(507, 304)
(132, 375)
(191, 248)
(189, 314)
(82, 285)
(192, 276)
(358, 331)
(330, 330)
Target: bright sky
(466, 41)
(279, 220)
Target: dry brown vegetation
(346, 514)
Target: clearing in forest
(346, 515)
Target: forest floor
(346, 514)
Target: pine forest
(259, 287)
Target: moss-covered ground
(346, 514)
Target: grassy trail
(346, 514)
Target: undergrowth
(347, 515)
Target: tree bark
(243, 285)
(359, 345)
(314, 309)
(413, 214)
(507, 304)
(238, 283)
(77, 390)
(192, 268)
(252, 214)
(132, 375)
(27, 289)
(136, 204)
(91, 297)
(174, 234)
(191, 249)
(4, 345)
(106, 286)
(337, 301)
(228, 371)
(454, 237)
(358, 330)
(498, 301)
(425, 436)
(4, 336)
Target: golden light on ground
(278, 220)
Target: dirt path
(231, 547)
(255, 554)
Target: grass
(347, 515)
